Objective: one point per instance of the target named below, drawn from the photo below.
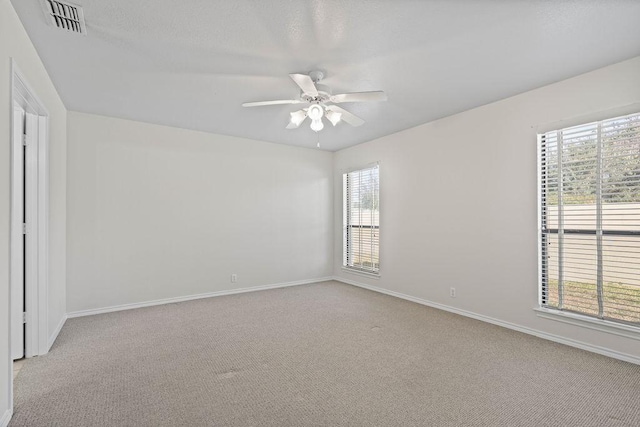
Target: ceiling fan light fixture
(297, 117)
(334, 117)
(315, 112)
(317, 125)
(316, 96)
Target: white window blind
(361, 189)
(590, 219)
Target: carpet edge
(544, 335)
(55, 333)
(131, 306)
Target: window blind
(361, 189)
(590, 219)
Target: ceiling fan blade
(305, 83)
(279, 102)
(353, 120)
(376, 95)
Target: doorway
(29, 221)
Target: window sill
(361, 272)
(607, 326)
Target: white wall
(458, 202)
(157, 212)
(15, 43)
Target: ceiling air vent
(64, 15)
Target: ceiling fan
(322, 102)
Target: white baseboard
(91, 312)
(562, 340)
(6, 417)
(53, 336)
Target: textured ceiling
(191, 63)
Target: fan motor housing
(324, 94)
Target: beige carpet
(317, 355)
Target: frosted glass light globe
(334, 117)
(315, 112)
(317, 125)
(297, 117)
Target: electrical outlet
(452, 292)
(234, 278)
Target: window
(590, 219)
(361, 189)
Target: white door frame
(16, 278)
(37, 215)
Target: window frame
(345, 267)
(606, 325)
